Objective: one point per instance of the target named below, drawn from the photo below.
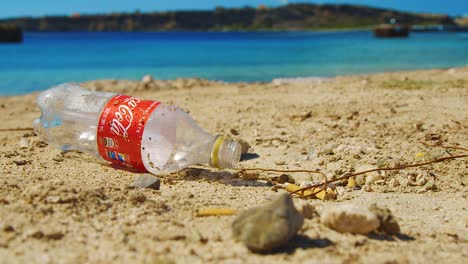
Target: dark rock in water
(388, 223)
(266, 228)
(392, 31)
(10, 34)
(147, 181)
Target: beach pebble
(20, 162)
(388, 223)
(422, 190)
(24, 143)
(373, 178)
(268, 227)
(147, 79)
(52, 199)
(147, 181)
(349, 218)
(283, 178)
(249, 176)
(393, 182)
(234, 131)
(52, 235)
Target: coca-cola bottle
(128, 131)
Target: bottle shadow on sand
(191, 174)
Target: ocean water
(47, 59)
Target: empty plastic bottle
(142, 134)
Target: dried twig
(215, 212)
(386, 169)
(16, 129)
(443, 146)
(278, 170)
(349, 175)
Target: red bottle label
(120, 130)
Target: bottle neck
(225, 154)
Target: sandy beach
(67, 208)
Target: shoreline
(278, 80)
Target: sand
(68, 208)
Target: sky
(15, 8)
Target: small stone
(20, 162)
(393, 182)
(24, 143)
(302, 116)
(430, 185)
(422, 190)
(147, 79)
(137, 197)
(283, 178)
(349, 218)
(54, 235)
(281, 162)
(52, 199)
(147, 181)
(388, 223)
(36, 234)
(249, 176)
(235, 132)
(6, 227)
(266, 228)
(57, 159)
(372, 178)
(379, 182)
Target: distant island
(287, 17)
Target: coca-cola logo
(123, 117)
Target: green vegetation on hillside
(288, 17)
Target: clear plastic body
(171, 139)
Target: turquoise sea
(47, 59)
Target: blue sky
(13, 8)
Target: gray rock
(147, 181)
(268, 227)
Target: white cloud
(284, 2)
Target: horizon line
(214, 9)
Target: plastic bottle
(142, 134)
